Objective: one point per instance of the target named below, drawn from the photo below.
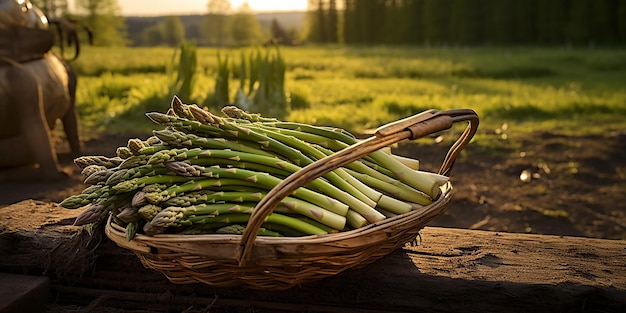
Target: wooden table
(451, 270)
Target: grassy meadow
(524, 89)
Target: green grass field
(358, 88)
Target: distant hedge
(453, 22)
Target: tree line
(101, 16)
(221, 25)
(467, 22)
(373, 22)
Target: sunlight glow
(274, 5)
(172, 7)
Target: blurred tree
(577, 27)
(244, 26)
(412, 26)
(436, 17)
(322, 33)
(52, 8)
(103, 16)
(315, 25)
(193, 32)
(349, 22)
(295, 34)
(604, 21)
(470, 22)
(551, 16)
(467, 21)
(279, 34)
(332, 23)
(396, 28)
(323, 21)
(523, 19)
(215, 26)
(369, 18)
(153, 35)
(499, 22)
(173, 31)
(621, 22)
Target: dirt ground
(575, 186)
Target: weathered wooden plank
(522, 258)
(452, 270)
(23, 293)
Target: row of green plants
(122, 96)
(261, 86)
(578, 91)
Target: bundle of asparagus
(202, 173)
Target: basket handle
(414, 127)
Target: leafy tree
(170, 32)
(279, 34)
(193, 32)
(173, 31)
(244, 26)
(109, 28)
(153, 35)
(215, 26)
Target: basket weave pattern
(283, 262)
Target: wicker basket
(284, 262)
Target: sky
(175, 7)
